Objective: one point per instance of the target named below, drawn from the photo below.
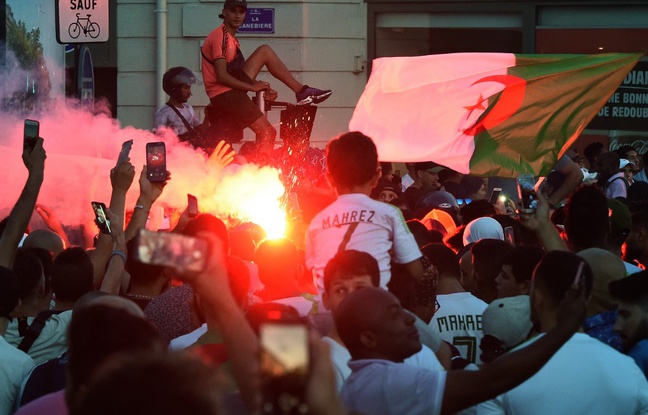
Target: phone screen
(31, 133)
(100, 217)
(156, 162)
(125, 152)
(181, 252)
(495, 195)
(509, 236)
(284, 365)
(527, 193)
(192, 206)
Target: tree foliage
(25, 44)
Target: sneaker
(309, 95)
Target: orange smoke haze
(83, 147)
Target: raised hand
(35, 159)
(540, 223)
(150, 191)
(121, 177)
(222, 156)
(51, 221)
(539, 217)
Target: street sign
(85, 77)
(82, 21)
(258, 21)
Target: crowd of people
(412, 303)
(419, 294)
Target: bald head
(372, 324)
(43, 238)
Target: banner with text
(627, 108)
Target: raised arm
(464, 388)
(149, 193)
(573, 178)
(541, 224)
(121, 178)
(21, 213)
(222, 311)
(52, 221)
(112, 278)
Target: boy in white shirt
(354, 220)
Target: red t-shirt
(219, 44)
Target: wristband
(119, 254)
(139, 206)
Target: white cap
(625, 162)
(508, 319)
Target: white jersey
(459, 322)
(585, 376)
(374, 227)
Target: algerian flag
(490, 114)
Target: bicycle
(89, 29)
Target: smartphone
(285, 366)
(192, 206)
(495, 195)
(31, 133)
(156, 162)
(100, 217)
(125, 152)
(509, 236)
(527, 193)
(174, 250)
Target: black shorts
(236, 107)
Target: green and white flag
(490, 114)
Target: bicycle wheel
(93, 30)
(74, 30)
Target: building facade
(330, 44)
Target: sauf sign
(82, 21)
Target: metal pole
(161, 46)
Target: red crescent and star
(510, 101)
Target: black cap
(233, 3)
(430, 166)
(630, 288)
